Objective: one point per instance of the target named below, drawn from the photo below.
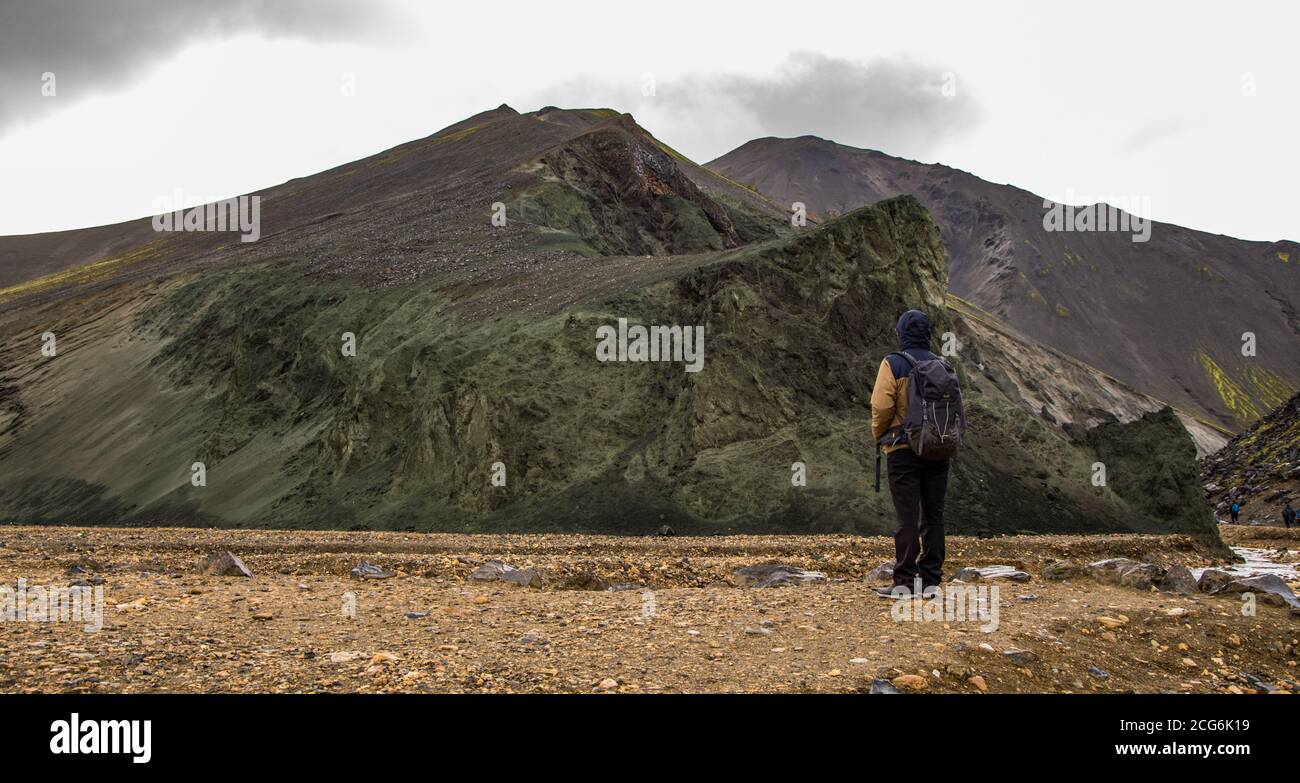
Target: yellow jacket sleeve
(884, 401)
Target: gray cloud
(897, 106)
(97, 45)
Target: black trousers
(917, 487)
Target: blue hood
(913, 331)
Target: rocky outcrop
(1259, 468)
(1151, 464)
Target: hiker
(1234, 510)
(1288, 515)
(917, 421)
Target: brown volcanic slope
(1166, 316)
(421, 207)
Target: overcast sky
(1191, 108)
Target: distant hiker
(1288, 515)
(1234, 510)
(917, 421)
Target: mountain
(1166, 315)
(199, 380)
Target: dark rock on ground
(881, 573)
(975, 574)
(496, 571)
(1178, 579)
(1126, 572)
(775, 575)
(370, 571)
(883, 686)
(1020, 657)
(224, 564)
(1213, 580)
(1271, 587)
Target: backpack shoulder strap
(910, 360)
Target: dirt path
(168, 628)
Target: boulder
(370, 571)
(976, 574)
(496, 571)
(882, 573)
(224, 564)
(1270, 586)
(1213, 580)
(1178, 579)
(1126, 572)
(775, 575)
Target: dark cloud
(98, 45)
(898, 106)
(892, 105)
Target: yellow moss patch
(85, 273)
(1269, 388)
(1230, 392)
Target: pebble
(911, 682)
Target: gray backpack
(935, 419)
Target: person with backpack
(1234, 510)
(917, 421)
(1288, 515)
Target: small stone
(370, 571)
(264, 616)
(882, 686)
(608, 684)
(910, 682)
(415, 615)
(882, 573)
(1098, 673)
(481, 599)
(979, 683)
(1020, 657)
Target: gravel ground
(682, 623)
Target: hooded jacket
(889, 395)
